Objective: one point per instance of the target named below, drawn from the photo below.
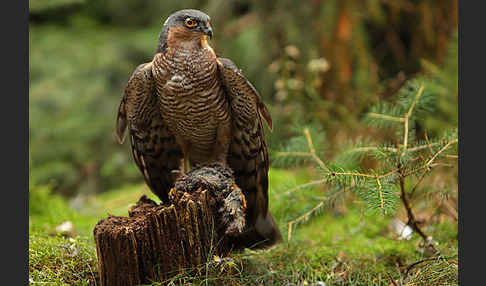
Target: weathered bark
(156, 242)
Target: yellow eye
(189, 23)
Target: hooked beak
(208, 31)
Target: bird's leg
(186, 146)
(185, 153)
(221, 148)
(185, 162)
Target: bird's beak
(208, 31)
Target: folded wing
(248, 155)
(154, 148)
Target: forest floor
(342, 245)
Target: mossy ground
(343, 245)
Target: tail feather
(121, 123)
(263, 234)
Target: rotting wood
(156, 242)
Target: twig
(407, 116)
(415, 100)
(440, 151)
(417, 184)
(388, 174)
(303, 186)
(349, 174)
(428, 144)
(302, 217)
(309, 141)
(313, 150)
(411, 217)
(386, 117)
(391, 149)
(372, 148)
(382, 203)
(425, 260)
(405, 136)
(307, 214)
(361, 175)
(452, 211)
(425, 167)
(298, 154)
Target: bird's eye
(189, 23)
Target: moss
(60, 260)
(346, 247)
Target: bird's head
(185, 27)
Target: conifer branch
(398, 164)
(382, 203)
(412, 221)
(405, 135)
(306, 216)
(298, 154)
(392, 149)
(300, 187)
(313, 150)
(417, 183)
(362, 175)
(440, 151)
(415, 100)
(388, 174)
(428, 144)
(349, 174)
(451, 156)
(303, 217)
(407, 117)
(386, 117)
(427, 167)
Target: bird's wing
(154, 148)
(248, 155)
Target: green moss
(347, 247)
(61, 261)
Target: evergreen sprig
(382, 187)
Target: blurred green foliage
(42, 6)
(324, 62)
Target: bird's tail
(263, 234)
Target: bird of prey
(189, 106)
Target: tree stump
(156, 242)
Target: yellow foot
(242, 196)
(171, 191)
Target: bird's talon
(171, 191)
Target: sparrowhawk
(190, 106)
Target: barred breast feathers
(191, 95)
